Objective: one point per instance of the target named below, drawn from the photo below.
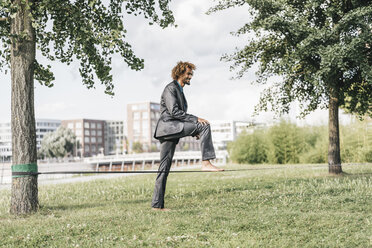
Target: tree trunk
(24, 196)
(334, 158)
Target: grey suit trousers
(167, 149)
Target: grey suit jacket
(173, 107)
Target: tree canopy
(89, 31)
(317, 47)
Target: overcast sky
(199, 38)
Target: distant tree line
(287, 143)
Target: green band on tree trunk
(24, 168)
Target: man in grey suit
(174, 123)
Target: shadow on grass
(82, 206)
(71, 206)
(356, 174)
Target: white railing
(220, 155)
(131, 161)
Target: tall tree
(137, 147)
(88, 31)
(58, 144)
(322, 51)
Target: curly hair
(181, 68)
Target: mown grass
(298, 206)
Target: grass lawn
(293, 206)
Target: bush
(288, 143)
(356, 141)
(137, 147)
(317, 145)
(285, 143)
(368, 156)
(249, 148)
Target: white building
(5, 142)
(225, 131)
(43, 126)
(114, 137)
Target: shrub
(249, 148)
(288, 143)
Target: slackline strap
(31, 170)
(23, 170)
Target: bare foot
(161, 209)
(208, 166)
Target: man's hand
(202, 121)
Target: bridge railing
(179, 159)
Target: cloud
(52, 109)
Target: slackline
(125, 172)
(16, 173)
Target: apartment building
(115, 142)
(141, 122)
(90, 136)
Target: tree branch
(3, 19)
